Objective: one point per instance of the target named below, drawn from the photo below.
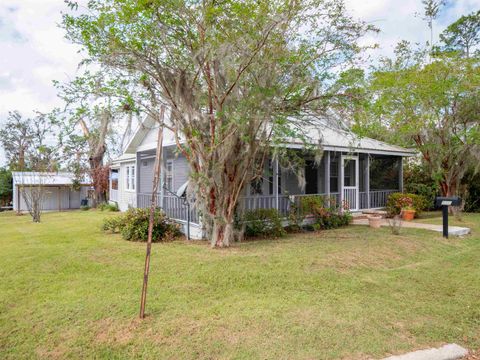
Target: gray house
(58, 192)
(359, 172)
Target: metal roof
(45, 178)
(318, 131)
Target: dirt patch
(110, 331)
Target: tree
(16, 138)
(431, 10)
(231, 73)
(94, 105)
(5, 186)
(434, 107)
(463, 34)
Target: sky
(33, 51)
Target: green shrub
(133, 225)
(84, 207)
(395, 202)
(263, 222)
(108, 207)
(318, 216)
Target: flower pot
(408, 215)
(375, 221)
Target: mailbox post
(445, 202)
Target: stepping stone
(446, 352)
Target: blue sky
(33, 51)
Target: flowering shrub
(398, 201)
(133, 225)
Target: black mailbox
(448, 201)
(444, 203)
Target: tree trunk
(223, 233)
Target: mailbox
(444, 203)
(448, 201)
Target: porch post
(275, 183)
(162, 178)
(367, 181)
(340, 173)
(137, 176)
(400, 172)
(327, 176)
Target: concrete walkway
(447, 352)
(452, 230)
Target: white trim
(130, 179)
(357, 180)
(172, 175)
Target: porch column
(162, 178)
(327, 176)
(341, 178)
(137, 177)
(275, 183)
(367, 180)
(400, 175)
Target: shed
(58, 190)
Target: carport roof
(45, 178)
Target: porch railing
(173, 206)
(113, 195)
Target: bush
(263, 222)
(417, 180)
(133, 225)
(396, 201)
(108, 207)
(322, 217)
(84, 207)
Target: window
(169, 175)
(333, 176)
(130, 178)
(114, 179)
(256, 186)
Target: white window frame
(169, 175)
(130, 178)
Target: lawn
(70, 291)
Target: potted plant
(408, 213)
(375, 221)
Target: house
(357, 171)
(58, 192)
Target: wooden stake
(153, 203)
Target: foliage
(416, 180)
(263, 222)
(431, 105)
(6, 186)
(472, 195)
(84, 207)
(463, 34)
(25, 145)
(313, 211)
(235, 75)
(108, 207)
(133, 225)
(397, 201)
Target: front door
(311, 177)
(349, 177)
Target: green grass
(69, 291)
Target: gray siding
(55, 198)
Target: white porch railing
(174, 206)
(113, 195)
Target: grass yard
(69, 291)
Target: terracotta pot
(375, 221)
(408, 215)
